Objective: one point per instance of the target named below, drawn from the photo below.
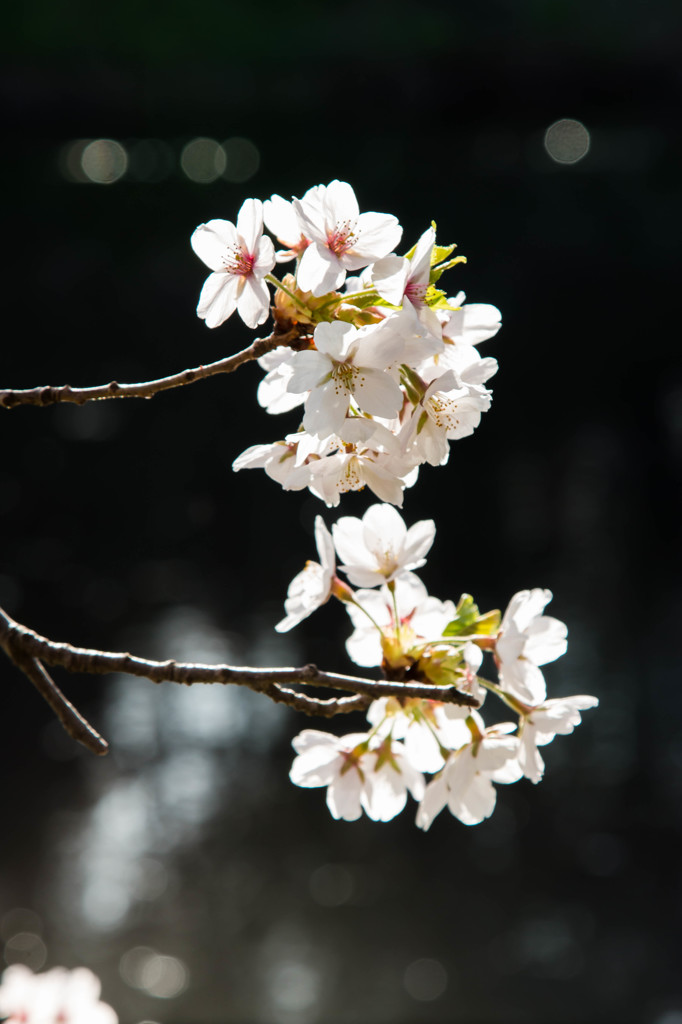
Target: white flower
(272, 391)
(282, 219)
(470, 324)
(357, 778)
(352, 469)
(404, 282)
(465, 785)
(277, 459)
(379, 547)
(55, 997)
(342, 238)
(424, 726)
(313, 586)
(344, 364)
(553, 717)
(239, 257)
(527, 639)
(449, 409)
(421, 618)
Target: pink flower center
(416, 293)
(239, 262)
(342, 238)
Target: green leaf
(436, 272)
(467, 614)
(363, 301)
(470, 622)
(441, 252)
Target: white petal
(210, 242)
(384, 794)
(349, 542)
(309, 738)
(280, 218)
(325, 545)
(418, 542)
(325, 409)
(376, 393)
(389, 277)
(308, 370)
(434, 800)
(218, 299)
(343, 796)
(476, 803)
(335, 339)
(546, 640)
(316, 767)
(340, 201)
(250, 224)
(254, 302)
(265, 256)
(320, 271)
(378, 234)
(530, 758)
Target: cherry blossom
(542, 723)
(527, 639)
(58, 996)
(379, 547)
(352, 469)
(281, 218)
(346, 363)
(273, 393)
(341, 238)
(448, 409)
(358, 776)
(424, 726)
(239, 257)
(471, 324)
(312, 587)
(405, 282)
(465, 785)
(277, 459)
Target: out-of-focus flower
(357, 776)
(539, 727)
(465, 785)
(55, 997)
(527, 639)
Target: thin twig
(10, 398)
(75, 724)
(28, 649)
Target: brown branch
(72, 720)
(9, 398)
(27, 649)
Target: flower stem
(271, 279)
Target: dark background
(184, 868)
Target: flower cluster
(417, 638)
(55, 997)
(385, 365)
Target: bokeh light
(203, 160)
(567, 141)
(163, 977)
(425, 980)
(243, 159)
(104, 161)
